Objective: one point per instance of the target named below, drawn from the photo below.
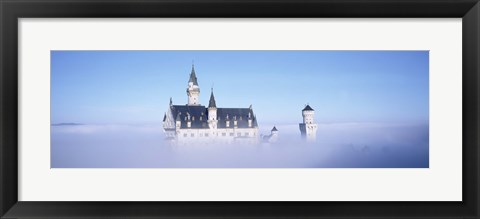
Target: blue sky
(134, 87)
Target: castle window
(185, 135)
(246, 133)
(239, 134)
(231, 133)
(224, 134)
(206, 134)
(192, 135)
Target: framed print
(239, 109)
(201, 133)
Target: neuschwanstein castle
(196, 124)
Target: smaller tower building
(274, 135)
(308, 128)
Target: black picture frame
(12, 10)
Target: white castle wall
(216, 136)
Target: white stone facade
(216, 136)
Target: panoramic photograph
(239, 109)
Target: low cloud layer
(342, 145)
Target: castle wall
(216, 136)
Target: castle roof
(241, 115)
(193, 77)
(274, 129)
(307, 107)
(212, 103)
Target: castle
(196, 124)
(308, 128)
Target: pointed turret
(273, 135)
(193, 90)
(212, 103)
(212, 112)
(193, 77)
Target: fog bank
(338, 145)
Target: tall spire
(193, 90)
(193, 77)
(212, 101)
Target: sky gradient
(134, 87)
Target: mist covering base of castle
(239, 109)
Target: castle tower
(308, 128)
(274, 134)
(193, 90)
(212, 112)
